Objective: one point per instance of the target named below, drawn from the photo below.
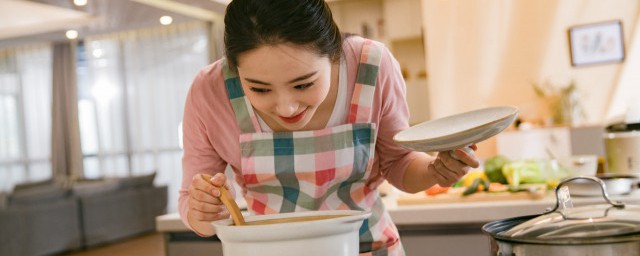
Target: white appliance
(622, 147)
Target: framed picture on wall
(596, 43)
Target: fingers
(453, 164)
(447, 173)
(207, 216)
(464, 158)
(204, 197)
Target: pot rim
(349, 216)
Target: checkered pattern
(360, 109)
(317, 170)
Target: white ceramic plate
(457, 131)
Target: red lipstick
(295, 118)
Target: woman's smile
(295, 118)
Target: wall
(488, 52)
(514, 44)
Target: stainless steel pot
(603, 229)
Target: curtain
(25, 115)
(66, 158)
(132, 88)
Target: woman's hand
(204, 202)
(446, 170)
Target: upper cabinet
(384, 20)
(398, 24)
(402, 19)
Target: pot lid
(623, 127)
(592, 221)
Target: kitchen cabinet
(402, 19)
(398, 24)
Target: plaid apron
(317, 170)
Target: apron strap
(360, 109)
(245, 116)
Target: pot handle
(603, 186)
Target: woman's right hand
(204, 202)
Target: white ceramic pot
(335, 236)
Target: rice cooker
(622, 147)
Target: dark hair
(250, 24)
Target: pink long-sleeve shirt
(211, 134)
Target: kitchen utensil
(622, 147)
(335, 234)
(457, 131)
(580, 165)
(603, 229)
(229, 202)
(616, 184)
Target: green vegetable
(524, 172)
(485, 184)
(472, 188)
(493, 168)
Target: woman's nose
(286, 106)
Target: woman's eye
(259, 90)
(303, 86)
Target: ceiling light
(166, 20)
(80, 2)
(98, 53)
(71, 34)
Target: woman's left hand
(446, 170)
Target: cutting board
(423, 198)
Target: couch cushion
(38, 194)
(87, 188)
(35, 184)
(137, 181)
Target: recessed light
(71, 34)
(80, 2)
(98, 53)
(166, 20)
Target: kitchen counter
(436, 227)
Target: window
(25, 115)
(132, 87)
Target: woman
(305, 117)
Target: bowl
(616, 184)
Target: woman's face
(285, 83)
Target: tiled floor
(151, 244)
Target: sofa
(51, 217)
(39, 221)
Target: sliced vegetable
(472, 188)
(485, 185)
(436, 189)
(498, 187)
(471, 176)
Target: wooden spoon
(228, 201)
